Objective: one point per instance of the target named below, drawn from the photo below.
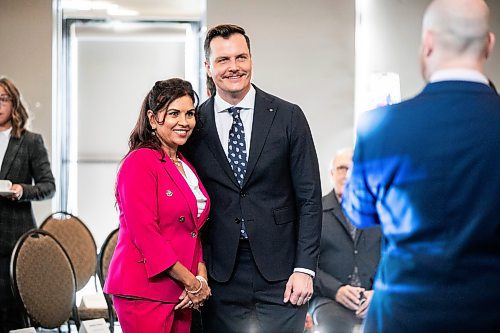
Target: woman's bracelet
(201, 279)
(197, 290)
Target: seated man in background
(348, 261)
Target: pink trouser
(139, 316)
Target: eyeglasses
(342, 169)
(4, 99)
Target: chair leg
(76, 317)
(111, 315)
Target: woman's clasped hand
(195, 294)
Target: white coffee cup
(5, 185)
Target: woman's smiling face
(175, 123)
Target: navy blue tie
(237, 153)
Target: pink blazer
(158, 227)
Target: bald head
(341, 163)
(455, 33)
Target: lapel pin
(169, 193)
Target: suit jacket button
(182, 219)
(193, 234)
(243, 194)
(237, 220)
(355, 251)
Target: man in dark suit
(255, 155)
(348, 261)
(427, 170)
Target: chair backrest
(43, 279)
(104, 258)
(78, 242)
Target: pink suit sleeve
(137, 196)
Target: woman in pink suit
(157, 273)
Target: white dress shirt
(459, 74)
(4, 142)
(224, 120)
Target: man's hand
(363, 308)
(299, 289)
(349, 296)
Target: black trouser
(249, 303)
(10, 315)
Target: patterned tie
(237, 153)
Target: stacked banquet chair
(79, 243)
(103, 260)
(43, 280)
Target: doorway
(110, 67)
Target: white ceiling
(135, 9)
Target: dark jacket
(25, 162)
(339, 253)
(427, 170)
(280, 198)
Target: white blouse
(192, 181)
(4, 143)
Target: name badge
(24, 330)
(94, 326)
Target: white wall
(395, 31)
(114, 76)
(492, 66)
(303, 51)
(26, 58)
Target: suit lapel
(263, 116)
(210, 135)
(337, 211)
(10, 155)
(182, 184)
(357, 236)
(264, 113)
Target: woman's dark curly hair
(159, 98)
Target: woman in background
(157, 273)
(24, 162)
